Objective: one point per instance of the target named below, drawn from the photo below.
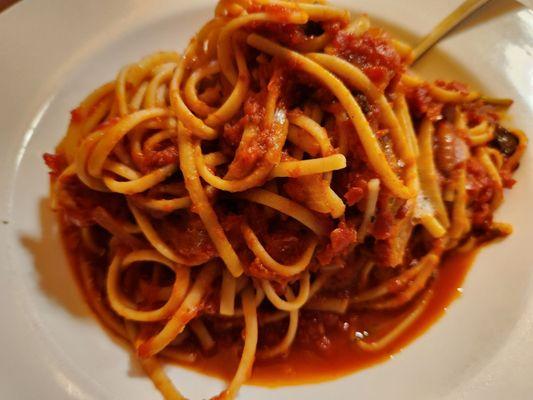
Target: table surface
(6, 3)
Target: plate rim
(10, 159)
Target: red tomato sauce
(305, 364)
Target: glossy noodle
(286, 170)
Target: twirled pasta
(286, 168)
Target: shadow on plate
(57, 279)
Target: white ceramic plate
(53, 53)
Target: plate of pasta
(247, 199)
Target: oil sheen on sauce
(306, 366)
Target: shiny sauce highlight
(306, 365)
